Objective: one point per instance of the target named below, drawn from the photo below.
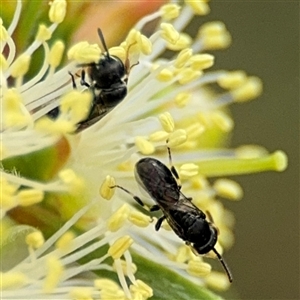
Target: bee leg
(154, 208)
(136, 198)
(82, 80)
(73, 81)
(159, 222)
(173, 170)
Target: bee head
(207, 243)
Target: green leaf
(39, 165)
(167, 284)
(13, 246)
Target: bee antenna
(222, 261)
(101, 36)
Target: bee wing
(176, 214)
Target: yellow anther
(187, 75)
(232, 80)
(205, 119)
(199, 182)
(29, 197)
(144, 146)
(139, 219)
(65, 242)
(121, 245)
(20, 66)
(167, 122)
(198, 268)
(222, 120)
(280, 160)
(199, 7)
(183, 254)
(145, 45)
(58, 126)
(137, 42)
(217, 42)
(158, 136)
(76, 105)
(228, 189)
(124, 265)
(201, 61)
(125, 166)
(182, 99)
(170, 11)
(169, 33)
(56, 54)
(218, 281)
(35, 239)
(142, 288)
(57, 11)
(212, 28)
(118, 218)
(195, 130)
(214, 35)
(118, 51)
(13, 109)
(177, 138)
(8, 199)
(133, 37)
(43, 34)
(45, 124)
(107, 284)
(53, 276)
(115, 295)
(4, 36)
(226, 237)
(12, 280)
(188, 170)
(81, 293)
(67, 175)
(74, 183)
(84, 53)
(17, 119)
(251, 89)
(105, 190)
(182, 58)
(3, 63)
(165, 75)
(184, 41)
(250, 151)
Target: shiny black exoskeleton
(187, 220)
(108, 83)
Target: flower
(86, 247)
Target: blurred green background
(265, 257)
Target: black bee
(108, 83)
(187, 220)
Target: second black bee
(107, 80)
(108, 83)
(186, 219)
